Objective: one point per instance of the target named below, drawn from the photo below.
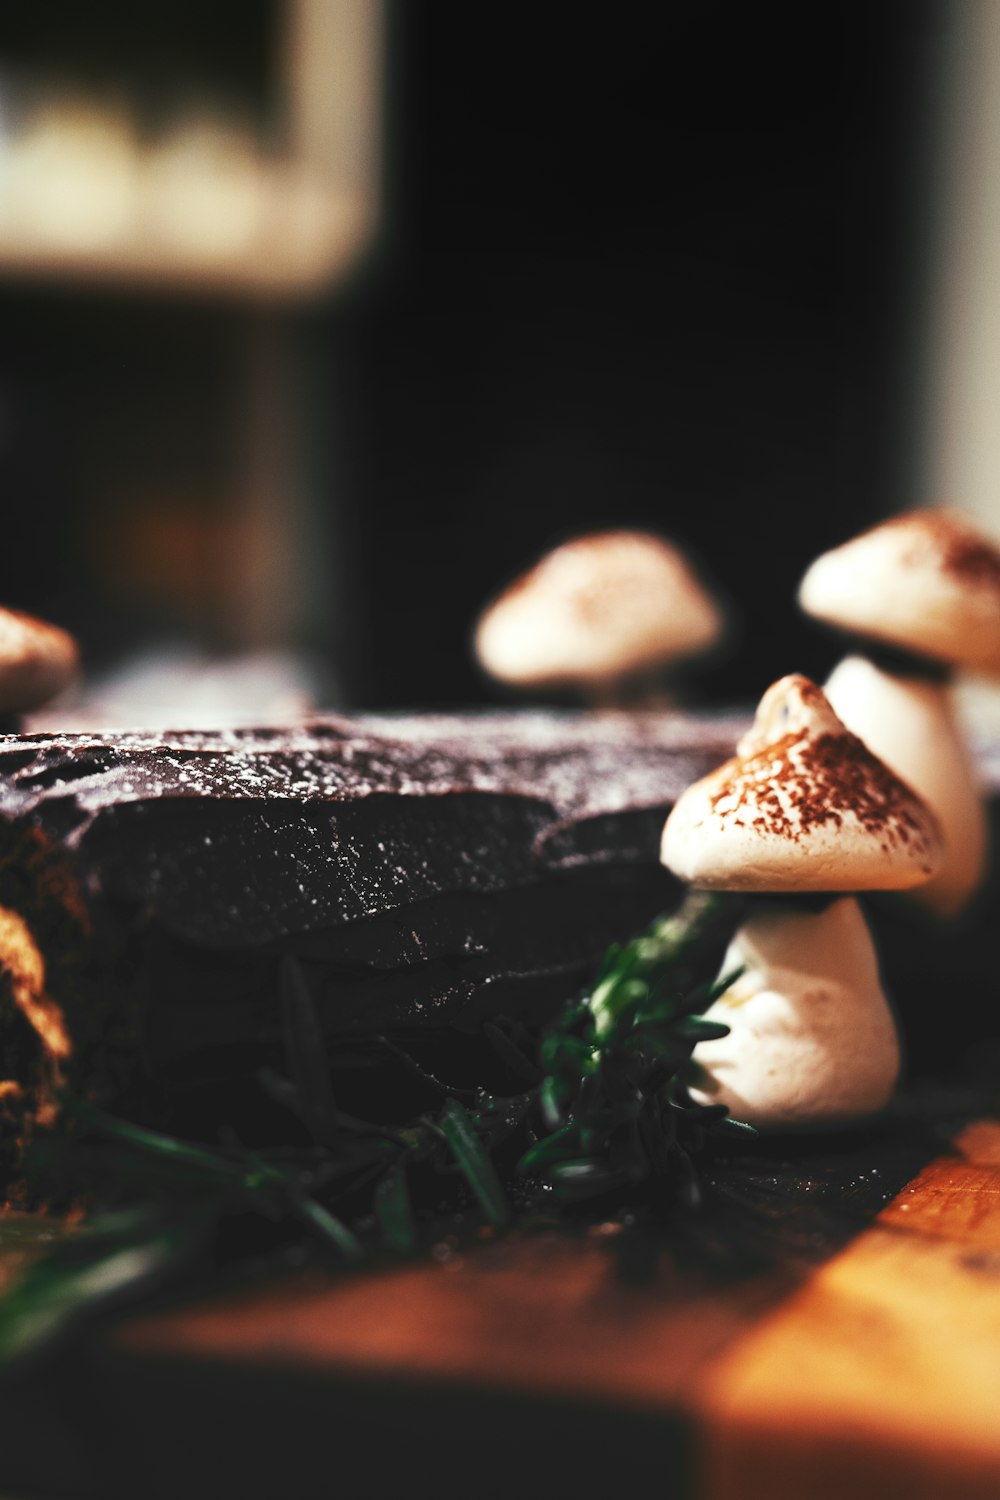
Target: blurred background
(321, 318)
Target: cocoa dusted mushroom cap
(804, 806)
(926, 581)
(596, 611)
(37, 661)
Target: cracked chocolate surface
(237, 838)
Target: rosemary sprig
(612, 1098)
(604, 1109)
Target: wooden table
(533, 1365)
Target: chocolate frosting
(240, 837)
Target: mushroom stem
(811, 1039)
(631, 693)
(910, 722)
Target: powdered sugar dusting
(581, 764)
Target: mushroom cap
(597, 609)
(926, 581)
(803, 806)
(37, 661)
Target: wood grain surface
(535, 1365)
(881, 1377)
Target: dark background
(653, 266)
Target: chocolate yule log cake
(426, 873)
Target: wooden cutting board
(544, 1365)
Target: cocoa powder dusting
(609, 570)
(963, 553)
(803, 782)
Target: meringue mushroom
(37, 661)
(803, 807)
(595, 613)
(927, 586)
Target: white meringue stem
(632, 693)
(812, 1041)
